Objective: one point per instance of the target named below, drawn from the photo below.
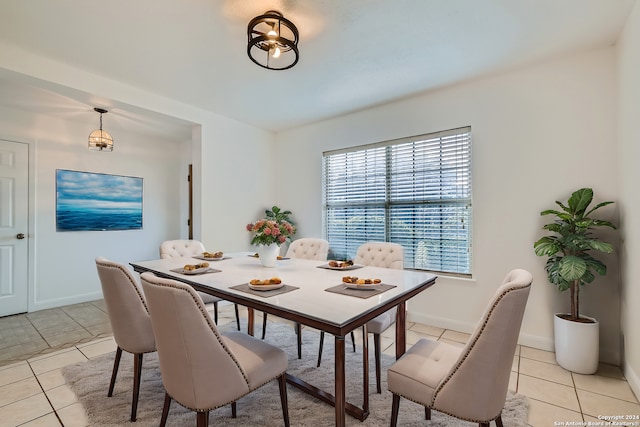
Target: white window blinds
(414, 191)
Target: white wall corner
(632, 378)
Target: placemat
(181, 271)
(264, 294)
(360, 293)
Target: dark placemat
(360, 293)
(207, 271)
(351, 267)
(265, 294)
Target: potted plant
(269, 233)
(570, 266)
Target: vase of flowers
(269, 233)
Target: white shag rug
(90, 382)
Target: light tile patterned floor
(33, 391)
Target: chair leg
(299, 333)
(203, 419)
(483, 424)
(376, 353)
(114, 373)
(215, 312)
(353, 341)
(499, 421)
(137, 373)
(282, 383)
(427, 413)
(395, 406)
(264, 324)
(237, 316)
(234, 412)
(165, 409)
(320, 348)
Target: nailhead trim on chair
(128, 275)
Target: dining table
(311, 293)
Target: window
(414, 191)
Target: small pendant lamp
(100, 140)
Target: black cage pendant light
(99, 139)
(273, 41)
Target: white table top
(310, 300)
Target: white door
(14, 170)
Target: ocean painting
(88, 201)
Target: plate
(369, 287)
(210, 259)
(265, 287)
(349, 267)
(196, 271)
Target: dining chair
(304, 248)
(129, 318)
(189, 248)
(470, 382)
(376, 254)
(201, 369)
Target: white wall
(629, 135)
(237, 182)
(538, 134)
(62, 264)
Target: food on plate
(272, 281)
(340, 264)
(191, 267)
(212, 254)
(358, 281)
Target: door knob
(20, 236)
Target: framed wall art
(87, 201)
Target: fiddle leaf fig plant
(570, 264)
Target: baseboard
(59, 302)
(632, 379)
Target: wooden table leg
(365, 368)
(340, 394)
(250, 320)
(401, 331)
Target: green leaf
(546, 246)
(598, 206)
(600, 246)
(579, 201)
(572, 268)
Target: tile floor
(36, 346)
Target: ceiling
(353, 54)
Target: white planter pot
(577, 344)
(268, 254)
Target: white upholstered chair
(129, 318)
(189, 248)
(202, 369)
(377, 254)
(308, 248)
(305, 248)
(471, 382)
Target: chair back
(126, 307)
(477, 385)
(308, 248)
(380, 254)
(180, 248)
(198, 369)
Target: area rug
(90, 381)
